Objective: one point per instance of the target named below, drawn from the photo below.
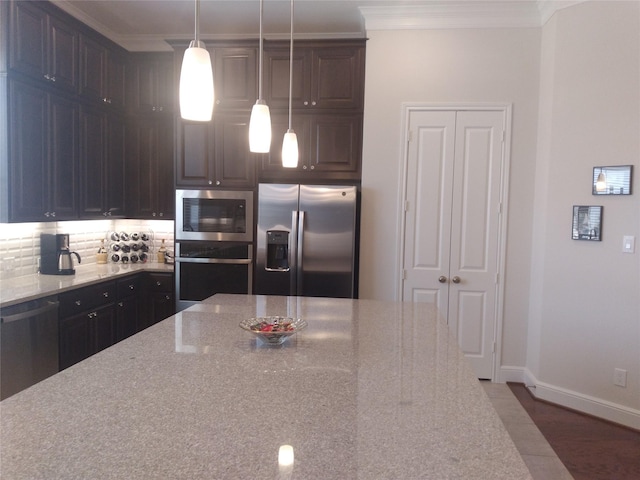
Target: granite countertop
(369, 390)
(29, 287)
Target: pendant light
(260, 123)
(196, 79)
(290, 141)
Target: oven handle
(238, 261)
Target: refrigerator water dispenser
(277, 251)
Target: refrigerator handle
(299, 252)
(293, 253)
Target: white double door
(452, 223)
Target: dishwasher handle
(29, 313)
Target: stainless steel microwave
(214, 215)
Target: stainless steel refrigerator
(306, 240)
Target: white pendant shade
(601, 183)
(196, 84)
(260, 128)
(290, 149)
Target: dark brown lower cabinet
(87, 322)
(160, 299)
(95, 317)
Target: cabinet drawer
(86, 298)
(128, 286)
(161, 282)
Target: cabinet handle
(167, 297)
(53, 79)
(158, 283)
(78, 303)
(304, 167)
(306, 103)
(46, 75)
(53, 214)
(153, 214)
(161, 214)
(210, 182)
(217, 182)
(312, 167)
(455, 279)
(160, 109)
(132, 287)
(120, 304)
(313, 103)
(105, 294)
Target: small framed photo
(587, 222)
(614, 180)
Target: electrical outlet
(620, 377)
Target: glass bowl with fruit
(273, 330)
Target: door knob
(455, 279)
(442, 279)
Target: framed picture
(612, 180)
(587, 222)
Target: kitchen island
(369, 390)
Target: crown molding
(464, 14)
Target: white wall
(585, 315)
(571, 308)
(448, 67)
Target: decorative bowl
(273, 330)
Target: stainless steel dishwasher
(28, 344)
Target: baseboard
(511, 374)
(580, 402)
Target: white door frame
(505, 108)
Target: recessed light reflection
(285, 456)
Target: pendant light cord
(291, 66)
(261, 55)
(197, 23)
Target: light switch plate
(628, 244)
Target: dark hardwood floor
(590, 448)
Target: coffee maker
(55, 257)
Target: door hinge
(406, 206)
(404, 274)
(409, 136)
(497, 278)
(493, 348)
(504, 136)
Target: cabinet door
(127, 313)
(336, 143)
(102, 328)
(28, 166)
(115, 81)
(337, 77)
(150, 168)
(75, 340)
(63, 55)
(63, 158)
(194, 162)
(28, 52)
(93, 125)
(271, 166)
(42, 134)
(93, 69)
(43, 46)
(235, 77)
(276, 81)
(151, 84)
(116, 169)
(162, 306)
(234, 163)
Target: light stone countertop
(369, 390)
(29, 287)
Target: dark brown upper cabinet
(102, 73)
(40, 177)
(150, 83)
(43, 46)
(326, 75)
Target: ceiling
(144, 25)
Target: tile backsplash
(20, 242)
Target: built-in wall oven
(213, 244)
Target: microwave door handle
(300, 252)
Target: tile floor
(538, 455)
